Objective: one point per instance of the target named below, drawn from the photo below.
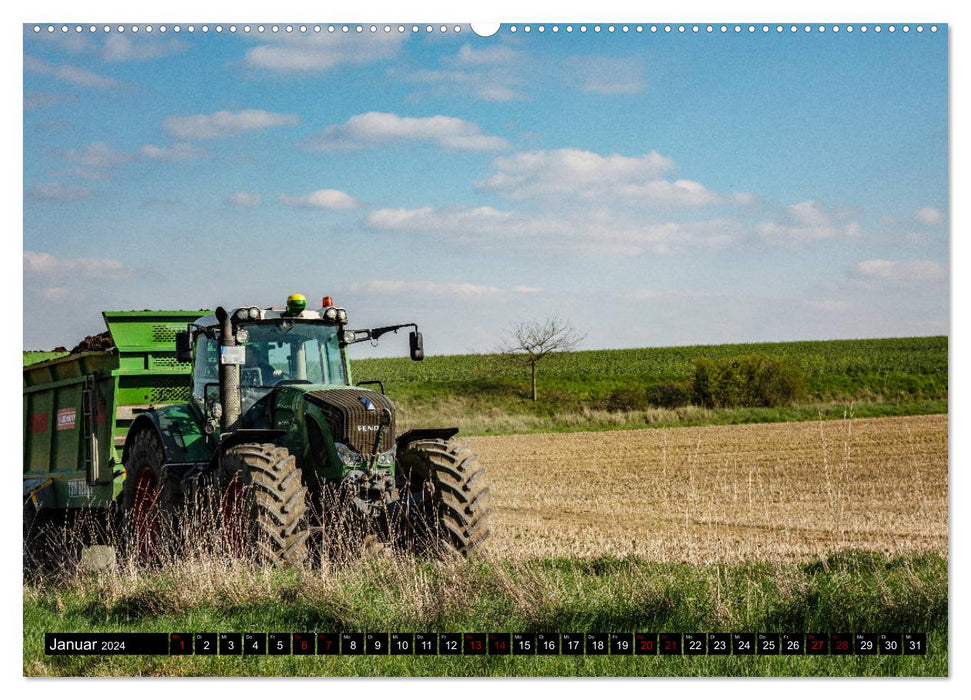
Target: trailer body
(78, 407)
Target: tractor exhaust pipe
(228, 375)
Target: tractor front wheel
(263, 508)
(444, 498)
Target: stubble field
(770, 492)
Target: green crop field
(490, 393)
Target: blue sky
(654, 189)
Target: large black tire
(148, 499)
(444, 506)
(263, 509)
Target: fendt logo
(368, 428)
(367, 403)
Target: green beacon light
(295, 304)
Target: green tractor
(288, 448)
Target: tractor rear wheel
(263, 509)
(147, 498)
(444, 506)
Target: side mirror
(417, 349)
(183, 346)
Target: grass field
(824, 527)
(489, 394)
(849, 592)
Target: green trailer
(78, 408)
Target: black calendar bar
(105, 643)
(263, 644)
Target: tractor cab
(272, 351)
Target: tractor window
(276, 351)
(207, 367)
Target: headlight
(386, 459)
(348, 456)
(241, 314)
(331, 314)
(254, 313)
(342, 315)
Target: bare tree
(531, 341)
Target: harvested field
(776, 492)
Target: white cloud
(382, 128)
(69, 74)
(71, 42)
(224, 123)
(604, 75)
(40, 100)
(495, 73)
(494, 55)
(56, 293)
(929, 216)
(175, 153)
(827, 305)
(666, 295)
(898, 273)
(97, 155)
(46, 265)
(81, 174)
(321, 199)
(427, 288)
(575, 174)
(807, 221)
(527, 289)
(301, 53)
(663, 193)
(501, 73)
(56, 192)
(436, 220)
(601, 232)
(245, 200)
(124, 47)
